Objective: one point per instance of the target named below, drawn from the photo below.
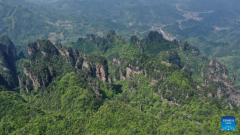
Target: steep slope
(209, 78)
(8, 57)
(114, 47)
(64, 91)
(48, 61)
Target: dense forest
(158, 67)
(104, 85)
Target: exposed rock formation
(135, 40)
(129, 71)
(91, 37)
(116, 62)
(8, 57)
(235, 97)
(48, 61)
(153, 81)
(214, 72)
(187, 47)
(172, 57)
(98, 68)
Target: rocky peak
(185, 46)
(41, 48)
(154, 36)
(217, 66)
(21, 55)
(216, 69)
(91, 37)
(234, 97)
(5, 40)
(110, 34)
(48, 61)
(96, 66)
(8, 57)
(134, 39)
(216, 73)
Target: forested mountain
(111, 86)
(8, 57)
(212, 26)
(166, 68)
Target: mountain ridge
(114, 82)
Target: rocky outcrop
(96, 69)
(184, 46)
(135, 40)
(91, 37)
(59, 48)
(154, 36)
(235, 97)
(130, 71)
(101, 73)
(153, 81)
(10, 50)
(95, 86)
(34, 80)
(110, 34)
(48, 61)
(172, 57)
(122, 77)
(8, 57)
(216, 73)
(31, 50)
(116, 62)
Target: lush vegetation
(69, 106)
(150, 92)
(153, 86)
(216, 35)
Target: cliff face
(215, 73)
(48, 61)
(155, 70)
(173, 57)
(8, 58)
(235, 97)
(96, 66)
(216, 81)
(11, 50)
(187, 47)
